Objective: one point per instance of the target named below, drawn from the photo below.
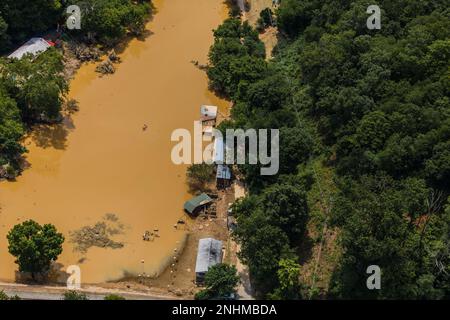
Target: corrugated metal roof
(208, 111)
(194, 203)
(33, 46)
(223, 172)
(209, 253)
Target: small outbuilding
(209, 254)
(208, 112)
(208, 115)
(196, 204)
(34, 46)
(223, 176)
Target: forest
(371, 107)
(32, 89)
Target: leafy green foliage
(375, 105)
(199, 176)
(220, 281)
(25, 18)
(288, 277)
(74, 295)
(11, 131)
(237, 57)
(265, 19)
(4, 296)
(38, 85)
(108, 21)
(388, 223)
(32, 89)
(114, 297)
(34, 246)
(4, 37)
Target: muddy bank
(101, 160)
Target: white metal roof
(33, 46)
(209, 254)
(223, 172)
(208, 111)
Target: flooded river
(101, 166)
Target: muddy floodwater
(101, 168)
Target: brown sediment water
(102, 161)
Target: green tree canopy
(37, 84)
(11, 131)
(34, 246)
(75, 295)
(220, 281)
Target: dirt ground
(269, 36)
(179, 278)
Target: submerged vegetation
(373, 107)
(199, 177)
(32, 89)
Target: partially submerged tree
(109, 21)
(34, 246)
(11, 131)
(37, 84)
(199, 176)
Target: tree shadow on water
(56, 275)
(54, 135)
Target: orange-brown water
(101, 161)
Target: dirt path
(244, 290)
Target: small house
(223, 176)
(197, 204)
(208, 115)
(209, 254)
(208, 111)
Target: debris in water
(98, 235)
(106, 67)
(112, 55)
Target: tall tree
(35, 246)
(37, 84)
(220, 281)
